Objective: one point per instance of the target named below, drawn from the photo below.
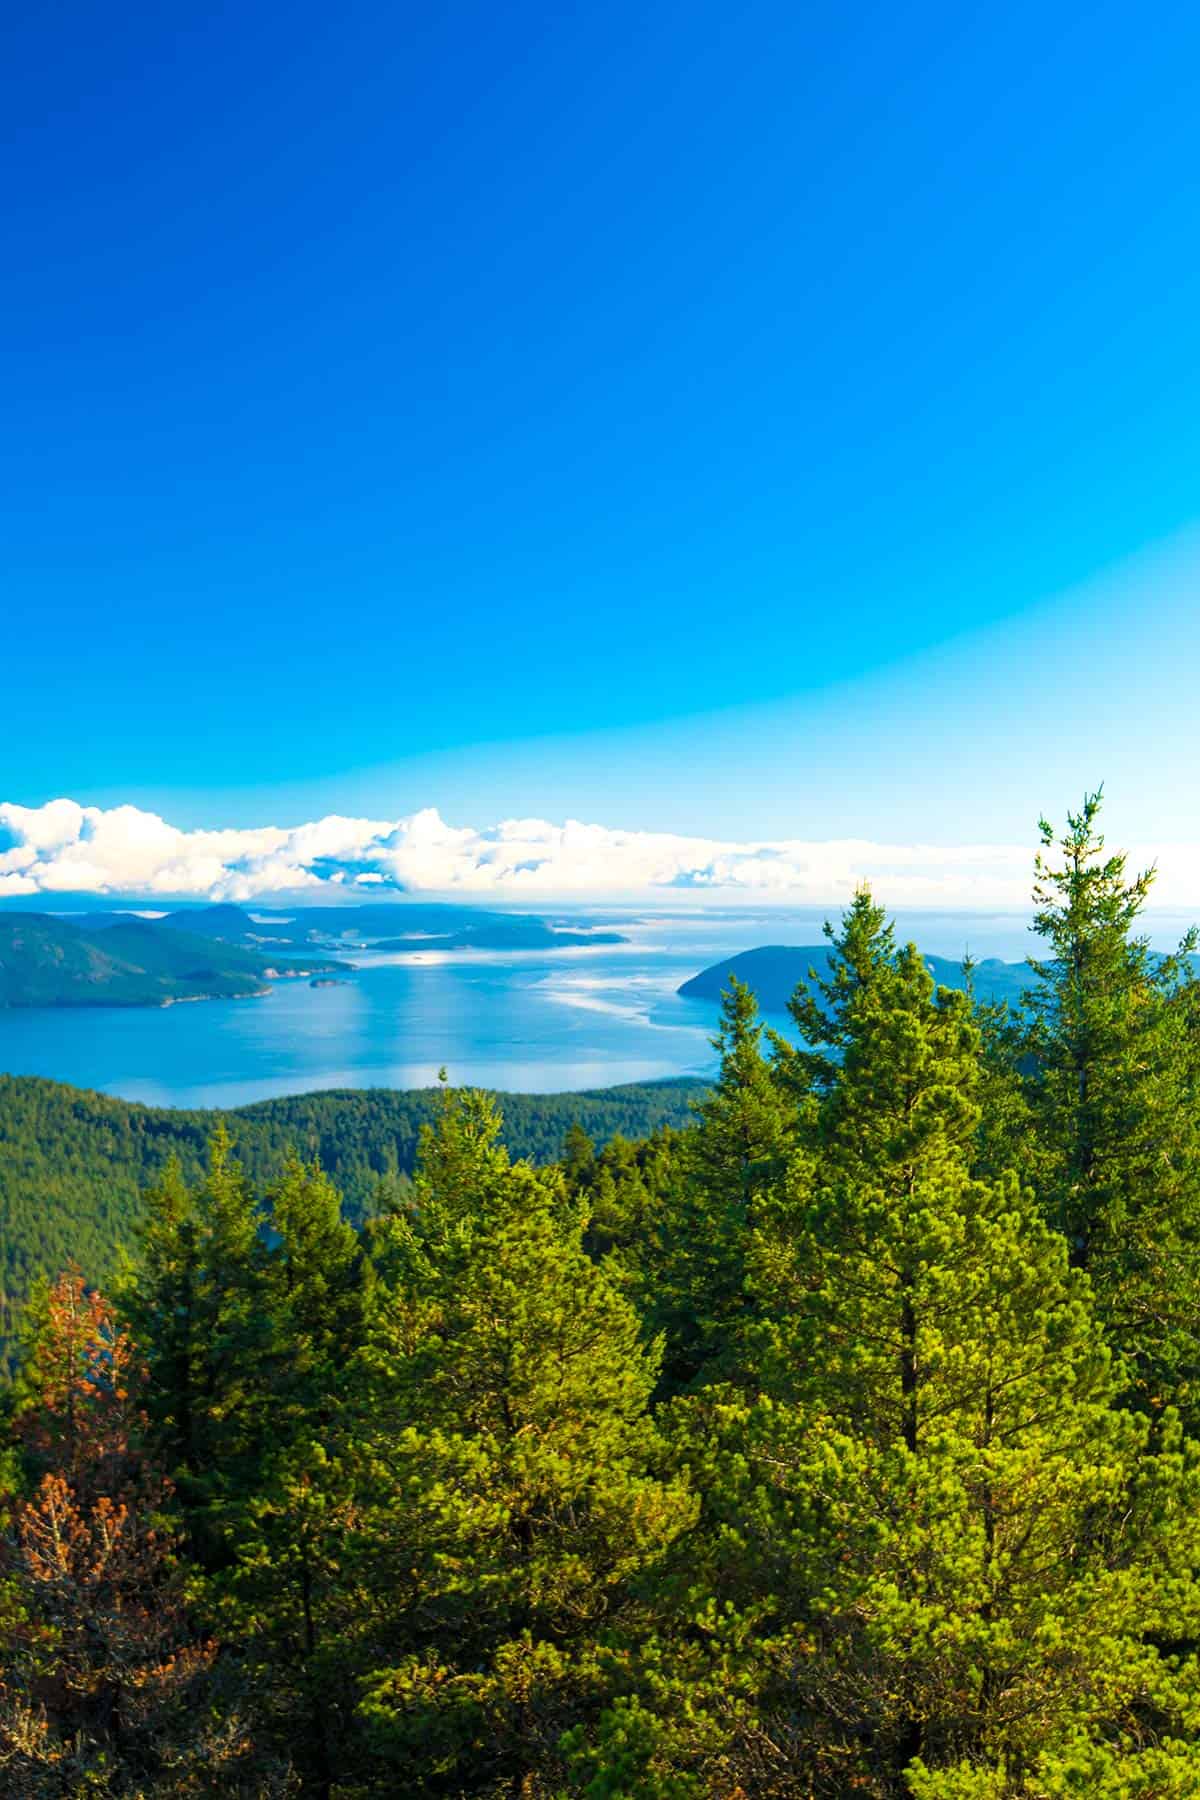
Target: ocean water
(527, 1022)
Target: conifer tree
(941, 1560)
(193, 1307)
(159, 1298)
(578, 1155)
(314, 1284)
(744, 1128)
(505, 1466)
(1113, 1085)
(887, 1149)
(694, 1273)
(823, 1009)
(627, 1189)
(975, 1580)
(283, 1532)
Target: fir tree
(283, 1532)
(194, 1310)
(940, 1553)
(1113, 1082)
(503, 1442)
(695, 1270)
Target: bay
(532, 1022)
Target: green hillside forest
(74, 1165)
(842, 1443)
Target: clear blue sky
(719, 418)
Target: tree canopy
(838, 1441)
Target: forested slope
(73, 1163)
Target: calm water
(529, 1023)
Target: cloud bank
(65, 848)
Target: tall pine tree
(192, 1303)
(938, 1559)
(505, 1463)
(693, 1268)
(1112, 1060)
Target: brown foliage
(103, 1680)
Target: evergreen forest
(842, 1444)
(74, 1165)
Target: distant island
(49, 961)
(384, 926)
(774, 971)
(223, 952)
(512, 934)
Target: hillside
(48, 961)
(774, 971)
(73, 1163)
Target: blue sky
(771, 420)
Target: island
(47, 960)
(773, 972)
(225, 952)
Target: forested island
(48, 961)
(225, 953)
(844, 1441)
(773, 972)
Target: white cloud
(65, 848)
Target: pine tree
(823, 1010)
(314, 1282)
(284, 1531)
(744, 1128)
(192, 1303)
(887, 1151)
(159, 1301)
(937, 1552)
(966, 1568)
(504, 1460)
(694, 1273)
(1113, 1086)
(627, 1190)
(578, 1155)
